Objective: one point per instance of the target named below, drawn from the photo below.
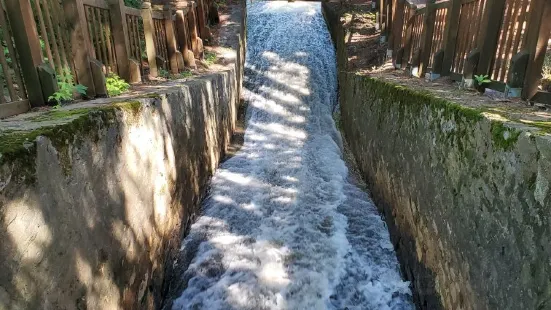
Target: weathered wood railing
(504, 39)
(90, 38)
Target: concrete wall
(94, 199)
(465, 194)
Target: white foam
(284, 226)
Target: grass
(210, 58)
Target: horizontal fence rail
(504, 39)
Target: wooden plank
(102, 4)
(426, 37)
(443, 5)
(51, 34)
(489, 33)
(27, 44)
(157, 15)
(14, 108)
(397, 25)
(408, 41)
(9, 42)
(540, 97)
(149, 34)
(79, 45)
(538, 33)
(171, 41)
(117, 13)
(450, 35)
(496, 85)
(133, 11)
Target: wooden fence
(504, 39)
(88, 39)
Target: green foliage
(210, 58)
(67, 87)
(182, 75)
(482, 79)
(164, 73)
(116, 85)
(137, 4)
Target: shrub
(116, 85)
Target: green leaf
(81, 89)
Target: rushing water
(284, 226)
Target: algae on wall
(465, 197)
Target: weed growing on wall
(116, 85)
(67, 87)
(210, 58)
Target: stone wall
(465, 193)
(94, 198)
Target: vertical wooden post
(27, 43)
(192, 27)
(118, 27)
(450, 35)
(397, 26)
(80, 43)
(409, 34)
(536, 44)
(201, 21)
(489, 35)
(170, 39)
(382, 17)
(181, 26)
(426, 37)
(149, 33)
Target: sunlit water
(284, 226)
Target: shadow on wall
(104, 214)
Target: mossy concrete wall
(465, 194)
(94, 200)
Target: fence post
(27, 44)
(117, 13)
(409, 33)
(450, 35)
(536, 44)
(149, 33)
(489, 27)
(189, 58)
(80, 43)
(196, 42)
(397, 26)
(170, 39)
(426, 38)
(201, 20)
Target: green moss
(19, 147)
(503, 137)
(416, 100)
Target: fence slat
(8, 33)
(79, 43)
(27, 43)
(149, 33)
(170, 40)
(397, 26)
(538, 33)
(119, 38)
(488, 38)
(426, 38)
